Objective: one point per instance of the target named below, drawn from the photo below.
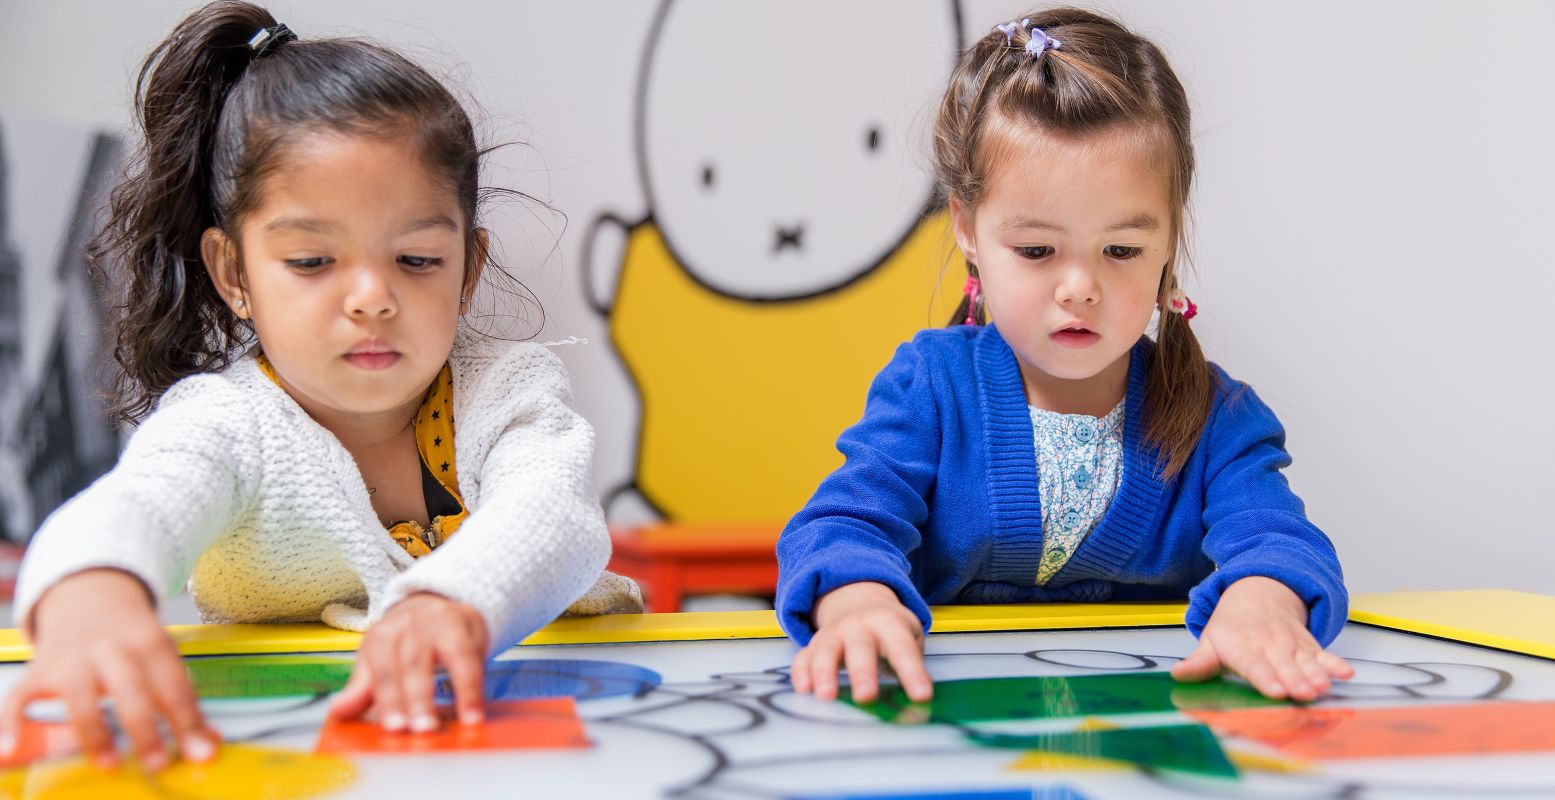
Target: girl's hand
(97, 635)
(859, 624)
(396, 666)
(1259, 631)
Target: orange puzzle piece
(38, 740)
(550, 722)
(1425, 730)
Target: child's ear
(480, 247)
(961, 220)
(220, 255)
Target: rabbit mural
(791, 242)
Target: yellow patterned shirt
(439, 473)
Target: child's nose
(370, 295)
(1077, 284)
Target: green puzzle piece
(1182, 748)
(1058, 697)
(227, 677)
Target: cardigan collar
(367, 533)
(1015, 505)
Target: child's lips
(373, 360)
(373, 354)
(1076, 338)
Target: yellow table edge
(204, 640)
(1519, 622)
(1515, 621)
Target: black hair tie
(268, 39)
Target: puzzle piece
(510, 725)
(1426, 730)
(1183, 748)
(239, 772)
(518, 679)
(1057, 697)
(224, 677)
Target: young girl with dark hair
(1042, 448)
(320, 438)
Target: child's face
(354, 265)
(1071, 239)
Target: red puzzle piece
(38, 740)
(1426, 730)
(550, 722)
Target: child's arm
(88, 587)
(844, 575)
(1277, 595)
(179, 483)
(535, 540)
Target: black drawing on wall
(54, 438)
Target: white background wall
(1373, 222)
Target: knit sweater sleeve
(182, 479)
(1255, 525)
(535, 539)
(864, 521)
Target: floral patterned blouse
(1079, 467)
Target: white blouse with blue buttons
(1079, 467)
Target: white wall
(1372, 223)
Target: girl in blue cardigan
(1060, 454)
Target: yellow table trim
(1517, 621)
(205, 640)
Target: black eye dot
(872, 141)
(707, 175)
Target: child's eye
(308, 264)
(1122, 252)
(421, 262)
(1034, 253)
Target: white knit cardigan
(231, 487)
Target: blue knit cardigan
(937, 498)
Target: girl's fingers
(1335, 666)
(174, 696)
(356, 696)
(87, 719)
(418, 683)
(13, 712)
(1260, 673)
(823, 666)
(134, 711)
(862, 657)
(1283, 661)
(903, 652)
(1200, 665)
(466, 670)
(388, 700)
(799, 671)
(1306, 661)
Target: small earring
(461, 300)
(239, 304)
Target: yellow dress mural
(742, 402)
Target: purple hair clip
(1009, 30)
(1040, 41)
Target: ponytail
(173, 323)
(1179, 389)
